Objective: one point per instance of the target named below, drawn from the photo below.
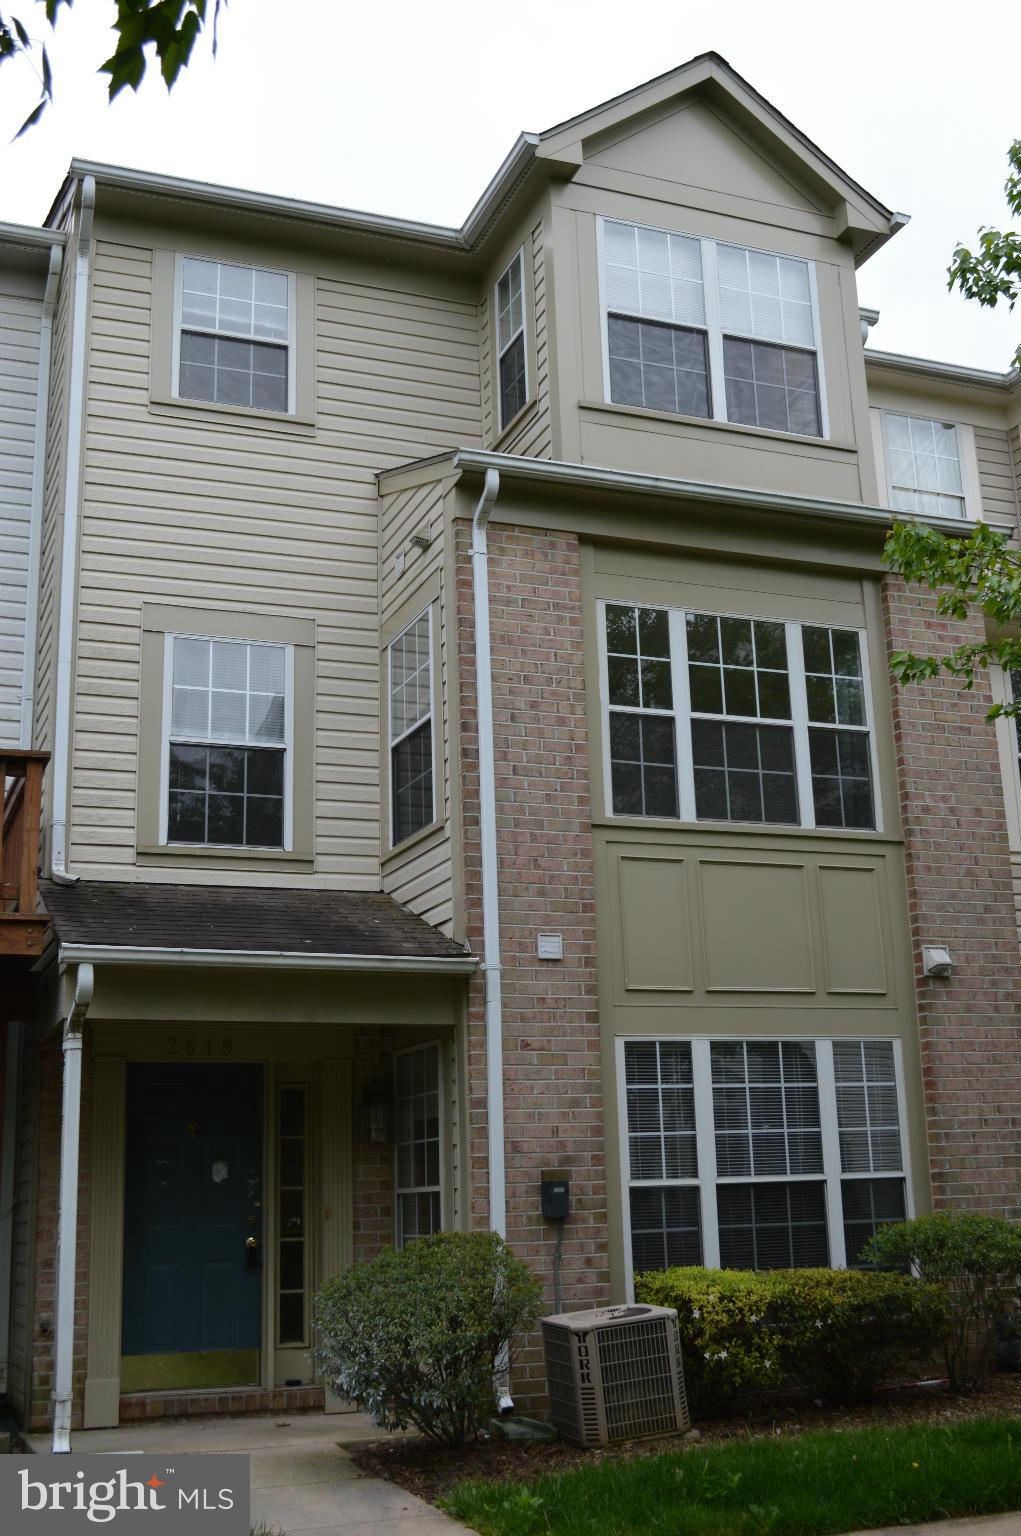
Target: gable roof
(557, 151)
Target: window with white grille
(234, 335)
(511, 351)
(923, 465)
(418, 1151)
(700, 327)
(715, 717)
(227, 743)
(760, 1154)
(411, 732)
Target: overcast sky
(406, 108)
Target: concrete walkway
(304, 1483)
(975, 1525)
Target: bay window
(715, 717)
(760, 1154)
(704, 328)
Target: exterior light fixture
(376, 1115)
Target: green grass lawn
(811, 1485)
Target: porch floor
(304, 1483)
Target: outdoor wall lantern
(376, 1114)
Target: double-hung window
(411, 730)
(418, 1143)
(760, 1154)
(923, 465)
(714, 717)
(704, 328)
(511, 351)
(227, 742)
(234, 338)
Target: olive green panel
(655, 925)
(755, 925)
(852, 935)
(201, 1368)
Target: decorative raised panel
(852, 930)
(656, 924)
(756, 926)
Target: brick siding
(959, 895)
(552, 1072)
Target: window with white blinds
(511, 352)
(699, 327)
(412, 799)
(760, 1154)
(923, 465)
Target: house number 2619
(199, 1045)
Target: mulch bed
(422, 1468)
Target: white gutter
(8, 1152)
(67, 1216)
(264, 959)
(491, 965)
(61, 772)
(35, 527)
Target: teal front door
(192, 1227)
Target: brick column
(553, 1100)
(960, 894)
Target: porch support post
(67, 1218)
(8, 1159)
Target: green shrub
(726, 1342)
(977, 1260)
(838, 1334)
(842, 1332)
(413, 1335)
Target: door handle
(251, 1242)
(251, 1255)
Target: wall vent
(615, 1374)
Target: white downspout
(67, 1215)
(491, 967)
(69, 550)
(35, 527)
(8, 1189)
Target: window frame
(290, 347)
(714, 332)
(442, 1136)
(967, 452)
(681, 713)
(499, 352)
(254, 849)
(393, 743)
(832, 1176)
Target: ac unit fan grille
(639, 1393)
(574, 1413)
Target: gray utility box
(615, 1374)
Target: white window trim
(288, 744)
(705, 1140)
(1007, 742)
(974, 511)
(399, 1189)
(394, 741)
(175, 365)
(518, 260)
(713, 327)
(681, 715)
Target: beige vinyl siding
(180, 507)
(19, 383)
(420, 875)
(996, 474)
(1014, 439)
(534, 439)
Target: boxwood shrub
(836, 1334)
(414, 1334)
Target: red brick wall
(553, 1101)
(959, 895)
(372, 1197)
(45, 1300)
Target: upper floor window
(512, 365)
(708, 329)
(411, 735)
(234, 335)
(923, 466)
(226, 743)
(721, 718)
(760, 1154)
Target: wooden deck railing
(21, 926)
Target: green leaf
(32, 118)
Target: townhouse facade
(446, 675)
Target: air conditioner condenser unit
(615, 1373)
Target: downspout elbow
(487, 501)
